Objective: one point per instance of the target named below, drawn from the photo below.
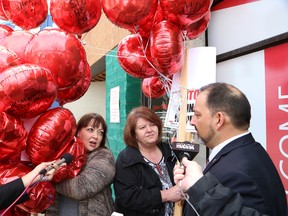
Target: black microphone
(185, 149)
(66, 158)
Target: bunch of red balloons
(50, 136)
(37, 69)
(72, 16)
(159, 27)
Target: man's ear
(220, 119)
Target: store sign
(276, 73)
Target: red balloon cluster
(156, 47)
(37, 69)
(51, 135)
(72, 16)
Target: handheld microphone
(185, 149)
(66, 158)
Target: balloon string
(110, 51)
(166, 81)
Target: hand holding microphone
(46, 169)
(185, 150)
(188, 173)
(66, 158)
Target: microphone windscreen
(67, 157)
(185, 149)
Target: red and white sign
(276, 81)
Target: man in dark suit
(240, 178)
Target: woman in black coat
(144, 169)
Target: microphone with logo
(185, 149)
(181, 150)
(66, 158)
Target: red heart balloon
(146, 24)
(17, 42)
(30, 89)
(76, 91)
(185, 12)
(26, 14)
(76, 148)
(75, 17)
(64, 55)
(167, 48)
(153, 87)
(50, 134)
(132, 56)
(127, 14)
(196, 29)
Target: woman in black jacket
(144, 169)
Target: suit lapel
(241, 141)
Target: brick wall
(104, 37)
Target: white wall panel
(248, 74)
(235, 27)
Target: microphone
(185, 149)
(66, 158)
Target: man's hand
(188, 173)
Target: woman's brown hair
(129, 134)
(97, 120)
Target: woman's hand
(35, 172)
(172, 194)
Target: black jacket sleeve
(10, 192)
(209, 198)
